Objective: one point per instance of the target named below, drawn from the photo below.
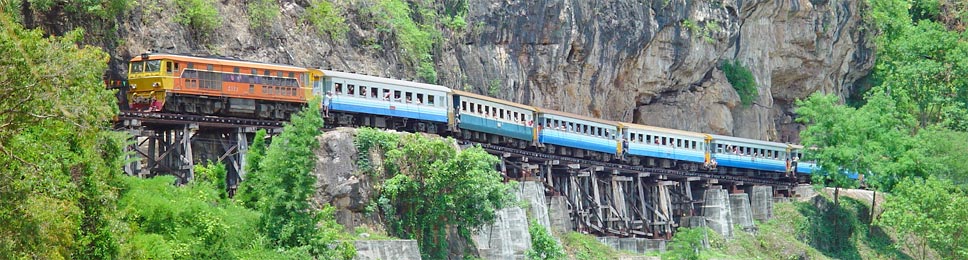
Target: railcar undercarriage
(235, 107)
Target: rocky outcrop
(339, 182)
(651, 62)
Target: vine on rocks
(742, 80)
(369, 138)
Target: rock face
(340, 184)
(650, 62)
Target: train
(222, 86)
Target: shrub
(742, 80)
(325, 17)
(262, 13)
(200, 15)
(543, 245)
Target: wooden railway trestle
(604, 198)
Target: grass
(583, 246)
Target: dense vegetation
(66, 198)
(432, 188)
(909, 131)
(543, 245)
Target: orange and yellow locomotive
(218, 86)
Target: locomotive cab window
(137, 67)
(168, 67)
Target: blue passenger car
(494, 116)
(755, 154)
(657, 142)
(365, 94)
(570, 130)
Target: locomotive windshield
(137, 67)
(153, 66)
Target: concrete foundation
(386, 249)
(717, 212)
(635, 245)
(740, 213)
(508, 237)
(558, 215)
(762, 203)
(804, 192)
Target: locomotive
(222, 86)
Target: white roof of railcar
(664, 130)
(566, 114)
(754, 141)
(490, 99)
(347, 75)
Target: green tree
(435, 187)
(932, 213)
(250, 191)
(832, 129)
(543, 245)
(58, 160)
(288, 184)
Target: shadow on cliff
(844, 232)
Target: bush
(325, 17)
(200, 15)
(742, 80)
(262, 13)
(543, 245)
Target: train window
(168, 66)
(235, 70)
(153, 66)
(640, 138)
(463, 106)
(210, 67)
(386, 94)
(409, 96)
(396, 96)
(494, 112)
(279, 74)
(419, 100)
(374, 92)
(363, 91)
(251, 89)
(339, 88)
(292, 74)
(430, 100)
(265, 72)
(350, 89)
(176, 66)
(694, 145)
(191, 65)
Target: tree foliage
(414, 29)
(283, 184)
(435, 187)
(543, 245)
(58, 161)
(249, 190)
(932, 211)
(688, 243)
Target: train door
(709, 148)
(622, 143)
(453, 113)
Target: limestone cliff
(650, 62)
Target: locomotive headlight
(134, 86)
(155, 85)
